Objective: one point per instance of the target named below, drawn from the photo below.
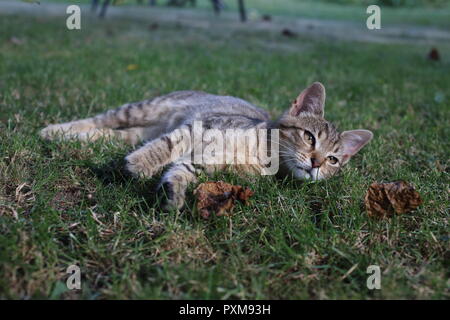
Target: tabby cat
(308, 146)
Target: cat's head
(310, 146)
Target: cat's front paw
(171, 199)
(80, 130)
(53, 131)
(139, 166)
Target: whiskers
(291, 158)
(297, 162)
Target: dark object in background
(218, 5)
(242, 12)
(266, 17)
(434, 55)
(153, 26)
(94, 4)
(104, 7)
(288, 33)
(181, 3)
(105, 4)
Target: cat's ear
(311, 100)
(353, 140)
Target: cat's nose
(315, 163)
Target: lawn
(68, 203)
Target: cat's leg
(70, 130)
(149, 159)
(175, 182)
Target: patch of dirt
(185, 246)
(66, 198)
(70, 194)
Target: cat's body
(306, 143)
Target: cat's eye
(309, 138)
(332, 160)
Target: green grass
(65, 203)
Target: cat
(308, 146)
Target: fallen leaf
(288, 33)
(386, 199)
(434, 55)
(219, 197)
(132, 67)
(266, 17)
(153, 26)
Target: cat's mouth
(306, 174)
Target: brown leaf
(132, 67)
(434, 55)
(266, 17)
(219, 197)
(153, 26)
(288, 33)
(386, 199)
